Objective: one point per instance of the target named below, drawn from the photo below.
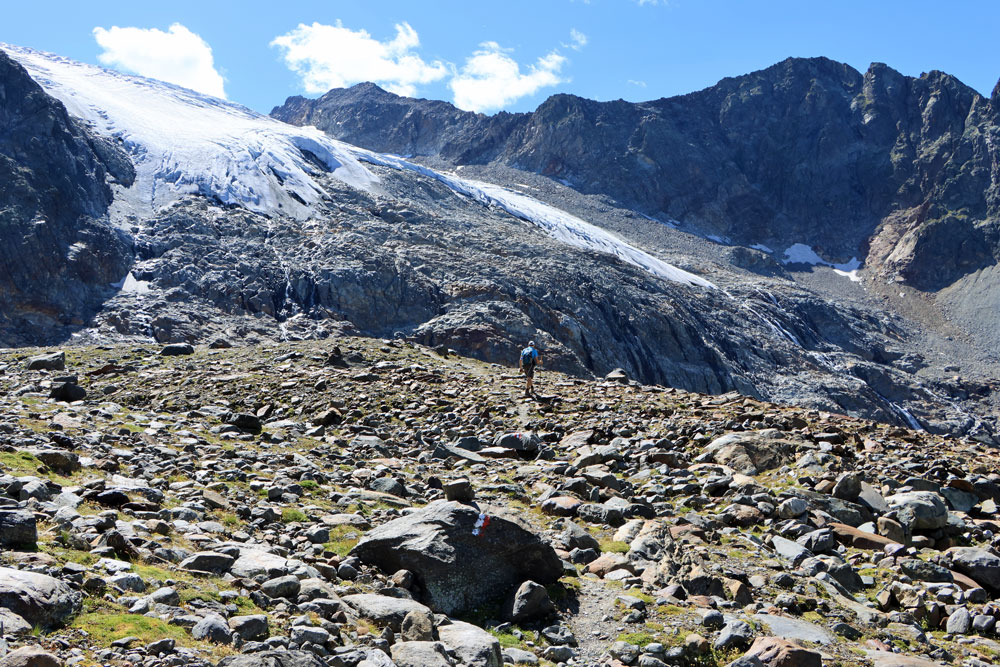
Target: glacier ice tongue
(183, 142)
(555, 222)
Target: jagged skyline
(490, 57)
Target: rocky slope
(898, 172)
(237, 227)
(58, 254)
(369, 502)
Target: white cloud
(177, 56)
(579, 39)
(491, 79)
(332, 56)
(641, 84)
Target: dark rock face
(809, 150)
(57, 257)
(456, 569)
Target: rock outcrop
(58, 252)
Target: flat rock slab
(37, 598)
(459, 566)
(795, 628)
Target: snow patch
(762, 248)
(129, 285)
(800, 253)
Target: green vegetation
(640, 639)
(342, 539)
(611, 546)
(292, 515)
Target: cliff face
(57, 257)
(902, 173)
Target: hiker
(529, 359)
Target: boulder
(980, 565)
(521, 442)
(420, 654)
(457, 566)
(207, 561)
(474, 646)
(531, 601)
(56, 361)
(13, 624)
(30, 656)
(751, 452)
(418, 626)
(250, 627)
(17, 528)
(254, 562)
(177, 350)
(777, 652)
(37, 598)
(919, 510)
(59, 460)
(214, 629)
(281, 587)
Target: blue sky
(486, 56)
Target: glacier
(183, 142)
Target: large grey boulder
(55, 361)
(474, 646)
(420, 654)
(17, 528)
(980, 565)
(37, 598)
(919, 510)
(30, 656)
(752, 452)
(455, 569)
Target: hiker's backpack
(527, 357)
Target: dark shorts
(529, 371)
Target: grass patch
(640, 639)
(105, 628)
(614, 547)
(342, 539)
(292, 515)
(20, 463)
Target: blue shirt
(534, 353)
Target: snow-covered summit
(183, 142)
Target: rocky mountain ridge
(898, 172)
